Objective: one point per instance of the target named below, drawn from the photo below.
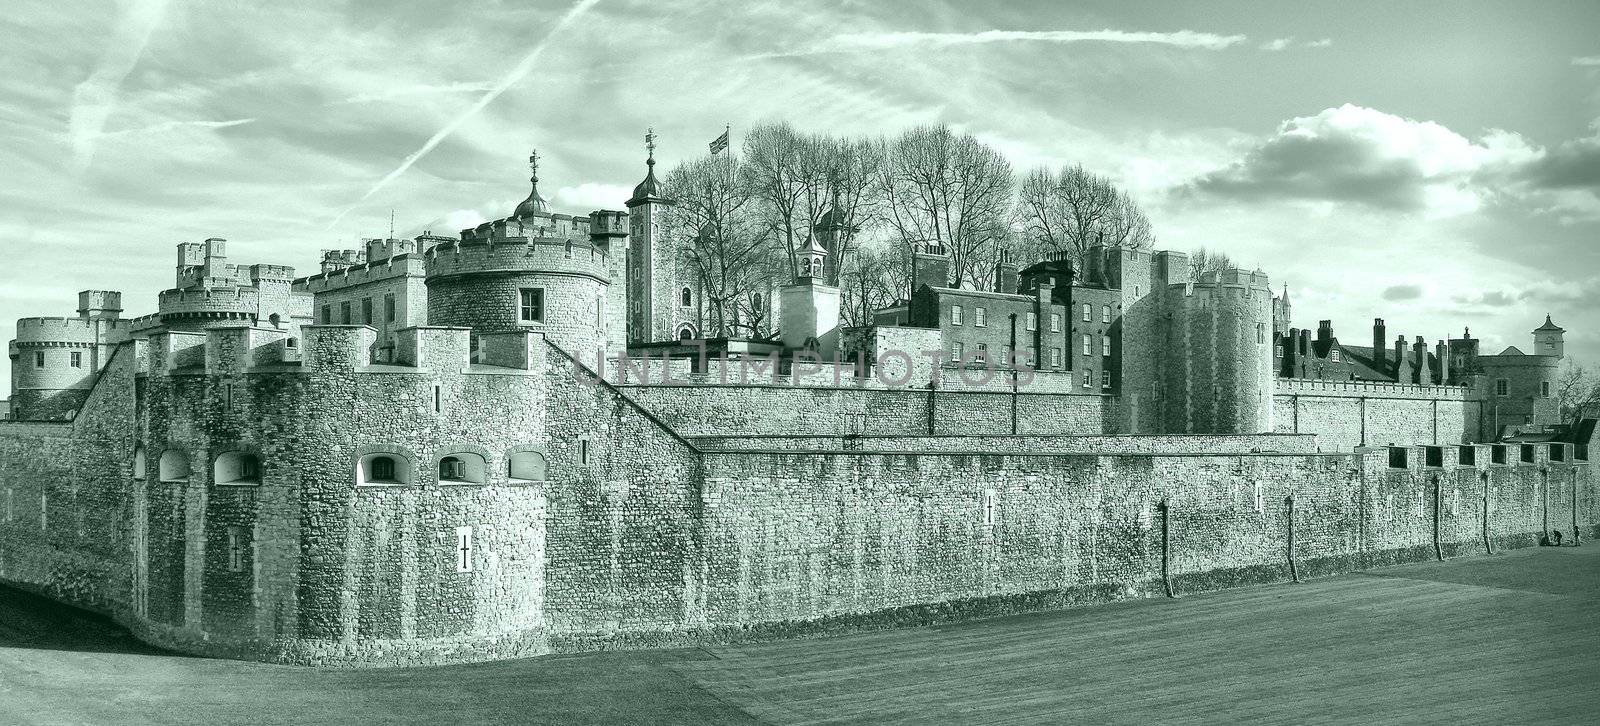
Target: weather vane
(650, 142)
(533, 163)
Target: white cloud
(169, 125)
(1277, 43)
(420, 89)
(1589, 60)
(463, 219)
(1322, 43)
(858, 42)
(1362, 155)
(590, 196)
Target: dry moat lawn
(1513, 638)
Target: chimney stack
(1324, 331)
(1400, 359)
(1419, 364)
(1380, 336)
(1005, 274)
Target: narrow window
(1088, 312)
(327, 314)
(1502, 387)
(1388, 507)
(77, 362)
(388, 307)
(1055, 322)
(755, 300)
(1105, 313)
(463, 549)
(956, 351)
(249, 467)
(44, 510)
(438, 398)
(530, 308)
(1261, 334)
(1005, 355)
(982, 354)
(1105, 379)
(980, 316)
(1136, 291)
(1544, 386)
(227, 396)
(1088, 379)
(1260, 497)
(1087, 342)
(686, 298)
(11, 504)
(583, 450)
(988, 507)
(236, 549)
(1033, 320)
(38, 359)
(1455, 502)
(344, 313)
(1055, 357)
(1105, 345)
(366, 311)
(955, 314)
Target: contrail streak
(94, 99)
(179, 124)
(521, 70)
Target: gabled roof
(1512, 351)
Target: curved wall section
(478, 285)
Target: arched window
(526, 466)
(685, 334)
(138, 462)
(755, 300)
(383, 469)
(686, 298)
(273, 318)
(462, 468)
(174, 465)
(236, 468)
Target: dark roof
(1549, 327)
(649, 188)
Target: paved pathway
(1513, 638)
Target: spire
(649, 189)
(534, 204)
(1549, 327)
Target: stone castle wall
(1345, 415)
(634, 536)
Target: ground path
(1511, 638)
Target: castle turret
(655, 300)
(810, 306)
(539, 272)
(1221, 382)
(1548, 339)
(99, 305)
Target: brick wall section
(1157, 444)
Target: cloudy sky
(1436, 164)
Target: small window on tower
(530, 305)
(38, 359)
(1055, 322)
(388, 308)
(344, 313)
(1544, 386)
(1261, 334)
(366, 311)
(1502, 387)
(686, 298)
(77, 362)
(327, 315)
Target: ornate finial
(533, 164)
(650, 145)
(534, 204)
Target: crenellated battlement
(402, 265)
(67, 330)
(519, 254)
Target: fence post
(1438, 517)
(1488, 541)
(1294, 569)
(1577, 536)
(1166, 547)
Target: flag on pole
(720, 144)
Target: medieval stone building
(516, 440)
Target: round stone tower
(54, 360)
(1220, 345)
(533, 270)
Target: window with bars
(388, 307)
(980, 317)
(1033, 320)
(955, 314)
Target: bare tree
(868, 283)
(1074, 209)
(950, 190)
(717, 234)
(852, 167)
(1204, 260)
(787, 180)
(1577, 392)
